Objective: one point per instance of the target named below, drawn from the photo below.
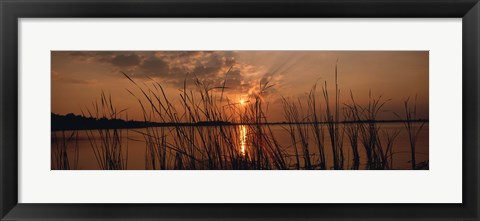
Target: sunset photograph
(239, 110)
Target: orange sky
(78, 77)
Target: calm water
(133, 142)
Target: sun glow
(242, 101)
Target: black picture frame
(12, 10)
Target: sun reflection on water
(243, 139)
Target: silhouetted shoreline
(78, 122)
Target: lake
(233, 147)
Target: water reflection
(245, 143)
(243, 139)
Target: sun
(243, 101)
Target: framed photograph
(319, 110)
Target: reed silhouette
(207, 131)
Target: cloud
(125, 60)
(88, 56)
(213, 68)
(154, 66)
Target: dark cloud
(155, 66)
(126, 60)
(90, 56)
(234, 80)
(80, 56)
(208, 66)
(174, 67)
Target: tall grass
(108, 148)
(370, 131)
(212, 147)
(352, 113)
(314, 116)
(61, 156)
(311, 125)
(412, 129)
(387, 158)
(333, 119)
(299, 132)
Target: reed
(390, 138)
(61, 157)
(413, 130)
(311, 126)
(216, 147)
(351, 113)
(333, 119)
(314, 116)
(212, 147)
(298, 132)
(370, 132)
(108, 148)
